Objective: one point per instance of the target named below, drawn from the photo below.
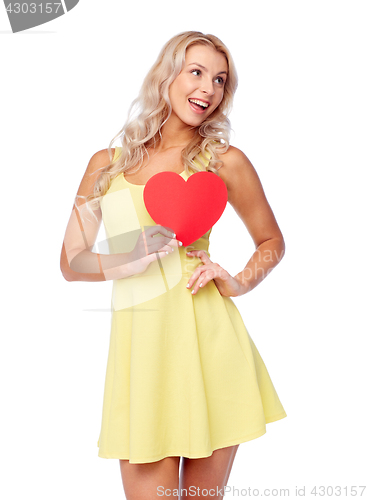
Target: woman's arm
(246, 195)
(77, 262)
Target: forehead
(206, 56)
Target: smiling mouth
(198, 105)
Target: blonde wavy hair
(152, 108)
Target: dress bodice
(125, 217)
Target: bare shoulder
(234, 160)
(238, 172)
(99, 160)
(96, 164)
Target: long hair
(152, 108)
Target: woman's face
(198, 89)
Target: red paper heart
(190, 208)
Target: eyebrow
(203, 67)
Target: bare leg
(142, 481)
(211, 473)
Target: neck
(175, 133)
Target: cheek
(220, 98)
(176, 92)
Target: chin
(195, 122)
(190, 120)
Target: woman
(184, 378)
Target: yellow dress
(183, 376)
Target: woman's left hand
(227, 285)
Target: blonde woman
(184, 379)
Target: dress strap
(118, 150)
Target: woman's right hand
(147, 247)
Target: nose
(207, 87)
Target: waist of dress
(159, 274)
(163, 268)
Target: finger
(154, 256)
(165, 231)
(196, 275)
(201, 282)
(157, 246)
(201, 273)
(152, 231)
(162, 243)
(201, 254)
(148, 259)
(166, 235)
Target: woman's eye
(195, 71)
(221, 81)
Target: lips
(197, 108)
(200, 102)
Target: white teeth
(200, 103)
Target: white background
(300, 116)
